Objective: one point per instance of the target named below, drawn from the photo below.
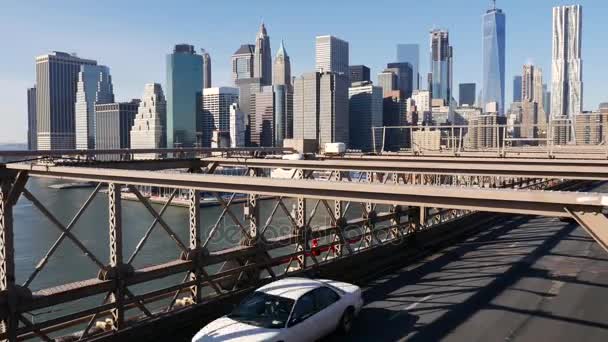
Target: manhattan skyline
(133, 40)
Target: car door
(302, 325)
(329, 309)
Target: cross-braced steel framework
(365, 206)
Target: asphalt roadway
(521, 279)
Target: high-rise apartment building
(410, 53)
(331, 55)
(242, 62)
(206, 69)
(567, 65)
(113, 123)
(404, 74)
(466, 94)
(282, 68)
(441, 66)
(184, 87)
(365, 112)
(422, 100)
(94, 87)
(32, 133)
(216, 111)
(262, 57)
(517, 88)
(56, 80)
(493, 59)
(320, 108)
(148, 129)
(359, 73)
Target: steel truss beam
(582, 206)
(547, 168)
(544, 203)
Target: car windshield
(263, 310)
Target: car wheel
(346, 322)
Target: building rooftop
(245, 49)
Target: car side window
(324, 297)
(304, 308)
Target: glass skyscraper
(517, 89)
(441, 66)
(184, 91)
(410, 53)
(493, 86)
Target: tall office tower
(94, 86)
(262, 58)
(306, 106)
(320, 108)
(365, 112)
(113, 122)
(493, 47)
(527, 83)
(441, 66)
(532, 84)
(283, 114)
(56, 79)
(248, 87)
(148, 129)
(206, 69)
(237, 126)
(282, 68)
(546, 102)
(262, 119)
(184, 87)
(272, 119)
(404, 77)
(567, 65)
(410, 53)
(517, 88)
(32, 133)
(216, 111)
(242, 62)
(466, 94)
(331, 55)
(358, 73)
(394, 114)
(387, 80)
(533, 118)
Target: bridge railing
(243, 245)
(564, 136)
(283, 227)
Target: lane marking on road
(410, 307)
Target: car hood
(226, 329)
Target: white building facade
(94, 86)
(567, 65)
(149, 125)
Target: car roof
(292, 288)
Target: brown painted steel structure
(551, 168)
(394, 207)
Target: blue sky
(132, 37)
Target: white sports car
(288, 310)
